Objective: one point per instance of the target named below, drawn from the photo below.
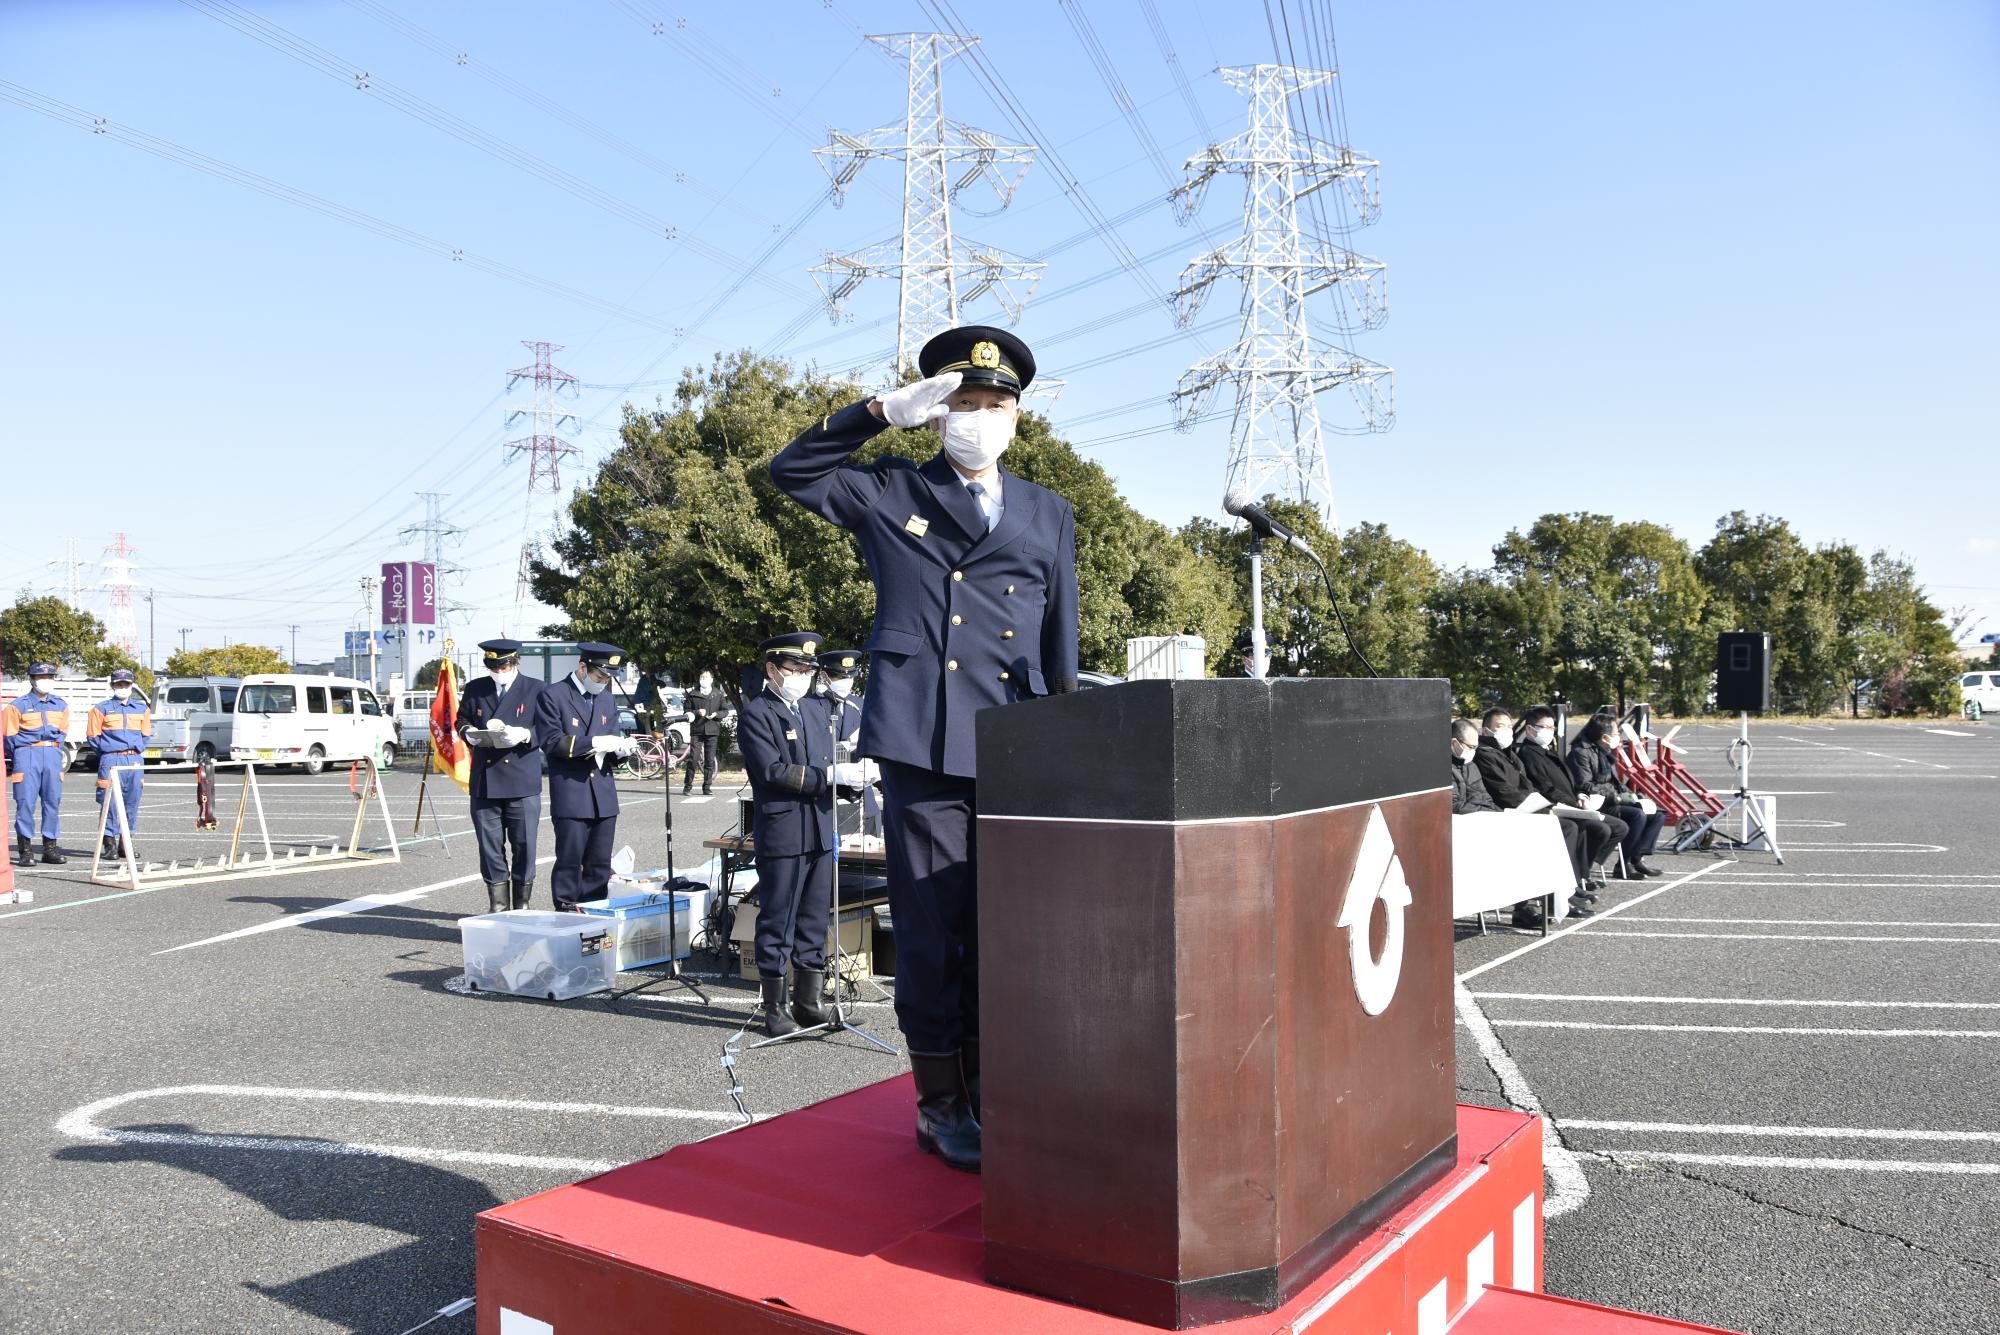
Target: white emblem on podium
(1378, 875)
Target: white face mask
(43, 686)
(503, 677)
(841, 687)
(794, 686)
(975, 441)
(1503, 738)
(1542, 737)
(590, 687)
(121, 692)
(707, 685)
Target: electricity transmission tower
(122, 624)
(1277, 366)
(939, 273)
(544, 448)
(436, 533)
(71, 565)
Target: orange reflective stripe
(58, 718)
(10, 720)
(143, 722)
(96, 724)
(31, 718)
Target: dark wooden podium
(1198, 1086)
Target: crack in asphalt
(1989, 1269)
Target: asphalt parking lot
(261, 1104)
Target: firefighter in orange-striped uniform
(119, 730)
(36, 725)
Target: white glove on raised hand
(848, 774)
(917, 403)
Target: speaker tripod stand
(1759, 833)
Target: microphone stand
(673, 974)
(1258, 654)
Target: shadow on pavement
(305, 1179)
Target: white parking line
(82, 1124)
(1901, 760)
(1784, 1161)
(1817, 922)
(1568, 1187)
(1741, 1001)
(361, 905)
(1950, 732)
(1804, 936)
(1747, 1029)
(1800, 1132)
(1594, 919)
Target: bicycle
(658, 755)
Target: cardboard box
(854, 939)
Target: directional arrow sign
(1378, 875)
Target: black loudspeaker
(1742, 671)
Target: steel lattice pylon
(939, 273)
(1278, 367)
(544, 448)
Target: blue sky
(1661, 262)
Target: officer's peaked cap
(123, 677)
(840, 662)
(981, 354)
(601, 655)
(799, 647)
(498, 649)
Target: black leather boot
(945, 1125)
(51, 854)
(776, 1023)
(809, 996)
(496, 896)
(110, 850)
(968, 1067)
(24, 851)
(523, 892)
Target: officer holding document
(496, 716)
(576, 727)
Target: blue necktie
(978, 490)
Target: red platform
(827, 1219)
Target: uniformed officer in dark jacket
(975, 606)
(496, 716)
(576, 727)
(838, 669)
(705, 707)
(786, 736)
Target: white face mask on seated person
(1502, 737)
(1542, 735)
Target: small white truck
(193, 719)
(79, 694)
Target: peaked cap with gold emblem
(982, 354)
(798, 647)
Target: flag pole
(431, 756)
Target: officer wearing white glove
(918, 402)
(506, 779)
(576, 726)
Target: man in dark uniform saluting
(787, 740)
(496, 716)
(975, 583)
(576, 726)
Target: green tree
(1906, 647)
(48, 630)
(235, 660)
(684, 551)
(1473, 640)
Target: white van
(290, 719)
(1983, 689)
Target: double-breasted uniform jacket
(565, 721)
(789, 758)
(964, 619)
(510, 771)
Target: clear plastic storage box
(531, 953)
(641, 923)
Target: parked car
(1982, 689)
(289, 718)
(194, 718)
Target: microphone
(1239, 504)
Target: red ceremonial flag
(448, 750)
